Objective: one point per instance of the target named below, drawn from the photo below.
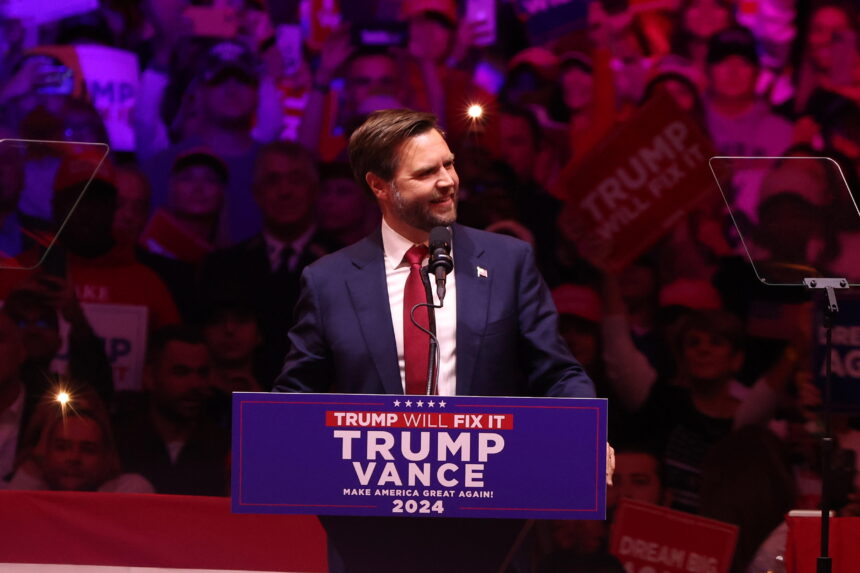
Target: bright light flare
(63, 398)
(475, 111)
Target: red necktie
(416, 344)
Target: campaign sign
(845, 358)
(651, 539)
(112, 77)
(123, 329)
(421, 456)
(639, 182)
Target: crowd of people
(238, 179)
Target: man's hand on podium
(610, 463)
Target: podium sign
(419, 456)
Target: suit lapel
(473, 296)
(369, 293)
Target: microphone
(441, 262)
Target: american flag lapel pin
(482, 273)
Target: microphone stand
(435, 355)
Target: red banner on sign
(639, 182)
(648, 538)
(419, 420)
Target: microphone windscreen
(440, 237)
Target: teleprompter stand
(824, 563)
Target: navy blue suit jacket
(507, 329)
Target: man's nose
(446, 179)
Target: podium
(420, 483)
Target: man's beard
(418, 214)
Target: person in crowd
(579, 312)
(132, 204)
(439, 44)
(704, 404)
(185, 229)
(86, 254)
(131, 218)
(681, 81)
(521, 147)
(170, 435)
(740, 121)
(53, 117)
(225, 93)
(698, 22)
(70, 447)
(531, 82)
(232, 334)
(577, 84)
(826, 79)
(370, 81)
(638, 476)
(345, 212)
(265, 269)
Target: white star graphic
(441, 403)
(397, 403)
(431, 403)
(408, 403)
(419, 403)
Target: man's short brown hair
(374, 147)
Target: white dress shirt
(396, 272)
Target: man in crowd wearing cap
(226, 93)
(739, 121)
(185, 228)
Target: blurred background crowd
(173, 281)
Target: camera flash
(475, 111)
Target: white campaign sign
(112, 78)
(123, 327)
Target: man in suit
(497, 332)
(500, 335)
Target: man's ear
(380, 187)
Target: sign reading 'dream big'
(424, 456)
(651, 539)
(639, 182)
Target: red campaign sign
(651, 539)
(354, 419)
(638, 183)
